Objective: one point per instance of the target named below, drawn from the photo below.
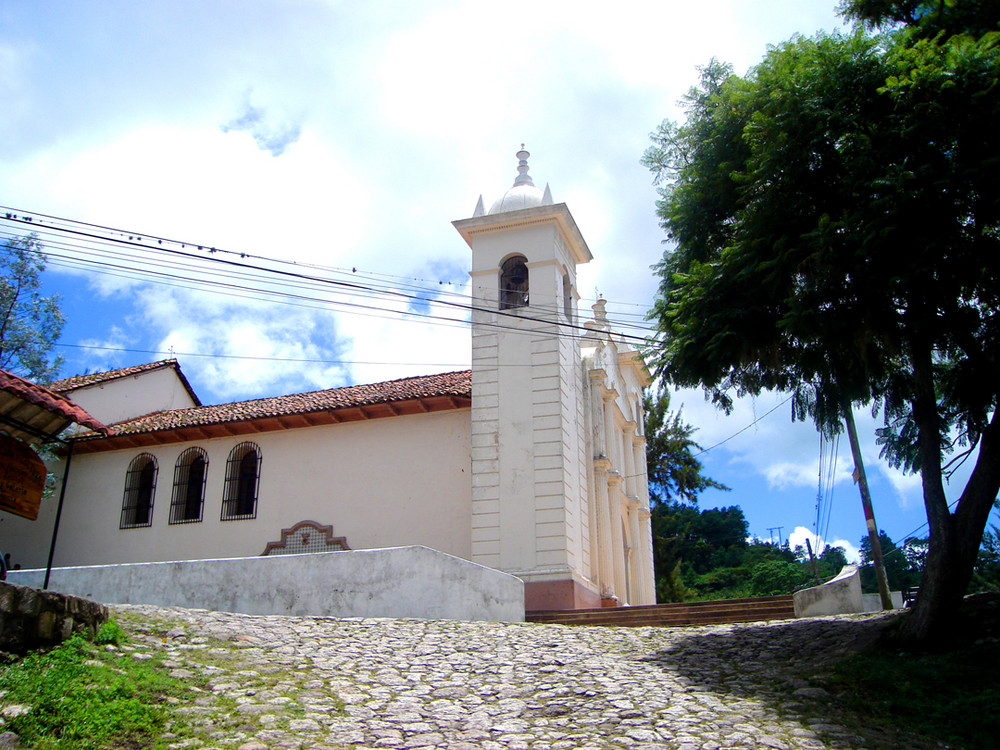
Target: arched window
(190, 473)
(567, 298)
(514, 283)
(140, 485)
(242, 481)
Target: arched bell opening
(514, 282)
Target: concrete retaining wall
(32, 619)
(397, 582)
(873, 602)
(839, 596)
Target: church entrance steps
(676, 614)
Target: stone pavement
(262, 682)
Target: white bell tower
(530, 510)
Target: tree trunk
(954, 538)
(952, 551)
(932, 620)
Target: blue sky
(349, 135)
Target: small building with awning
(36, 415)
(33, 416)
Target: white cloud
(408, 345)
(211, 187)
(907, 486)
(799, 536)
(787, 453)
(784, 474)
(272, 132)
(248, 348)
(106, 351)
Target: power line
(135, 241)
(739, 432)
(73, 251)
(260, 358)
(27, 217)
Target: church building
(532, 463)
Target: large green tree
(903, 565)
(675, 473)
(926, 18)
(835, 227)
(30, 324)
(689, 543)
(675, 479)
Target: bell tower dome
(523, 193)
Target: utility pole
(866, 502)
(812, 560)
(771, 531)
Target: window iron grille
(140, 487)
(190, 475)
(239, 500)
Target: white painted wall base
(873, 602)
(839, 596)
(397, 582)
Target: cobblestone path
(314, 683)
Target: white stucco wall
(380, 483)
(133, 396)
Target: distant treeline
(707, 554)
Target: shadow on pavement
(782, 665)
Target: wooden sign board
(22, 478)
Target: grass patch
(81, 697)
(950, 697)
(110, 633)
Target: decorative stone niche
(306, 537)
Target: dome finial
(523, 178)
(523, 194)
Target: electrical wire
(109, 244)
(258, 358)
(256, 293)
(63, 224)
(739, 432)
(819, 494)
(114, 252)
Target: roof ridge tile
(91, 378)
(457, 383)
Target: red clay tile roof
(450, 384)
(17, 392)
(95, 378)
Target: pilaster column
(635, 554)
(648, 577)
(605, 551)
(628, 452)
(600, 506)
(612, 445)
(617, 537)
(645, 543)
(597, 412)
(641, 475)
